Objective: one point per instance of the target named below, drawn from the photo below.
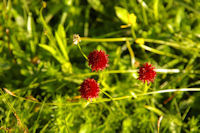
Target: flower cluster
(98, 60)
(147, 73)
(89, 89)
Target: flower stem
(106, 94)
(133, 32)
(82, 51)
(131, 53)
(146, 87)
(115, 98)
(121, 39)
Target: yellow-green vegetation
(41, 69)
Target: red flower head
(89, 89)
(147, 73)
(98, 60)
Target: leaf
(127, 125)
(155, 8)
(61, 32)
(53, 53)
(125, 17)
(48, 48)
(4, 65)
(179, 17)
(9, 92)
(155, 110)
(132, 19)
(32, 98)
(67, 67)
(96, 5)
(29, 24)
(62, 46)
(122, 14)
(159, 122)
(85, 128)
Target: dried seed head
(76, 39)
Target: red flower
(89, 89)
(147, 73)
(98, 60)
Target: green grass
(41, 69)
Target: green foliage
(41, 69)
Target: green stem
(119, 98)
(107, 72)
(167, 71)
(6, 102)
(155, 9)
(133, 32)
(106, 94)
(173, 44)
(188, 7)
(146, 87)
(101, 77)
(131, 53)
(21, 125)
(82, 51)
(121, 39)
(144, 14)
(150, 93)
(124, 39)
(162, 53)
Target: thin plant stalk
(82, 51)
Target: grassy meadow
(41, 69)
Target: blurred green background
(41, 69)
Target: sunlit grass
(41, 68)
